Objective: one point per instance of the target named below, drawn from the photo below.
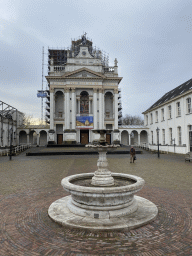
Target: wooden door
(59, 139)
(84, 138)
(108, 138)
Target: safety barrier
(20, 148)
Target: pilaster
(37, 139)
(67, 110)
(52, 108)
(139, 139)
(95, 107)
(73, 109)
(116, 109)
(100, 108)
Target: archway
(59, 104)
(33, 137)
(143, 138)
(22, 137)
(124, 138)
(108, 105)
(84, 103)
(43, 138)
(134, 138)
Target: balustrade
(59, 68)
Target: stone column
(78, 105)
(95, 107)
(27, 138)
(52, 108)
(67, 113)
(114, 106)
(129, 138)
(103, 108)
(116, 109)
(37, 139)
(139, 139)
(100, 108)
(73, 109)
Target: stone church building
(83, 94)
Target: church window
(84, 103)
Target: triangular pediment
(83, 73)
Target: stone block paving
(26, 229)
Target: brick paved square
(28, 185)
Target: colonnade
(72, 108)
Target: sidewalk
(28, 185)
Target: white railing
(6, 151)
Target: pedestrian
(132, 155)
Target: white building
(83, 94)
(172, 114)
(10, 120)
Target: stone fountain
(102, 200)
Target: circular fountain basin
(103, 202)
(102, 208)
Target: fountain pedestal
(102, 177)
(103, 200)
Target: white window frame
(151, 118)
(163, 136)
(156, 114)
(170, 111)
(162, 114)
(179, 135)
(178, 104)
(189, 108)
(146, 119)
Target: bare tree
(132, 120)
(30, 120)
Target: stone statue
(84, 40)
(115, 62)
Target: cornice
(167, 102)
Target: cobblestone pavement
(28, 185)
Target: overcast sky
(151, 40)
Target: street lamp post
(158, 141)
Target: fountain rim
(65, 182)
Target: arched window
(84, 103)
(59, 106)
(108, 105)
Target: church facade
(83, 94)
